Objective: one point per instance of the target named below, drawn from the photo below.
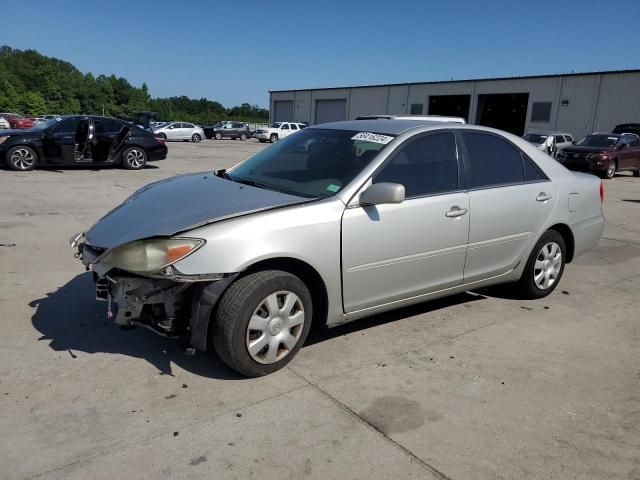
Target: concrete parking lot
(478, 386)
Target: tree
(33, 103)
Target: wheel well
(567, 236)
(308, 275)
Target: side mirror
(381, 193)
(573, 142)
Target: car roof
(547, 133)
(390, 127)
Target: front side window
(67, 126)
(313, 163)
(491, 161)
(425, 166)
(568, 138)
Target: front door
(394, 252)
(511, 201)
(59, 141)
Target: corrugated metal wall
(593, 102)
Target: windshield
(46, 124)
(535, 138)
(275, 125)
(598, 141)
(311, 163)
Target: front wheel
(636, 172)
(243, 137)
(196, 138)
(611, 169)
(218, 136)
(544, 267)
(22, 158)
(273, 138)
(262, 321)
(134, 158)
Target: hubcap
(135, 158)
(612, 169)
(275, 327)
(547, 266)
(22, 158)
(196, 138)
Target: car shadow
(318, 335)
(632, 200)
(71, 321)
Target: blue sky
(236, 51)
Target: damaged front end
(143, 288)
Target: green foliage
(33, 84)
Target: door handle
(456, 212)
(543, 197)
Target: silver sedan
(335, 223)
(179, 131)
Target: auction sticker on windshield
(372, 137)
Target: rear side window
(491, 161)
(425, 166)
(531, 172)
(107, 125)
(294, 126)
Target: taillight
(601, 192)
(159, 140)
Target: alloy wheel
(611, 169)
(135, 158)
(22, 159)
(548, 265)
(275, 327)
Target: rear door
(510, 201)
(285, 130)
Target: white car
(549, 142)
(179, 131)
(278, 130)
(4, 123)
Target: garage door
(283, 111)
(331, 110)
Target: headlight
(149, 255)
(3, 139)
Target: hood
(181, 203)
(578, 149)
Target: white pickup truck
(276, 131)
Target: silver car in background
(184, 131)
(336, 223)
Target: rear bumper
(586, 234)
(159, 153)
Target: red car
(18, 121)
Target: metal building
(576, 103)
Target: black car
(230, 130)
(81, 140)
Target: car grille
(261, 131)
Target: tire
(21, 158)
(162, 135)
(611, 170)
(195, 138)
(243, 137)
(218, 136)
(531, 285)
(636, 172)
(273, 138)
(247, 303)
(134, 158)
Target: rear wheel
(262, 321)
(195, 138)
(22, 158)
(273, 138)
(218, 136)
(544, 267)
(636, 172)
(134, 158)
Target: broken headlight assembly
(148, 256)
